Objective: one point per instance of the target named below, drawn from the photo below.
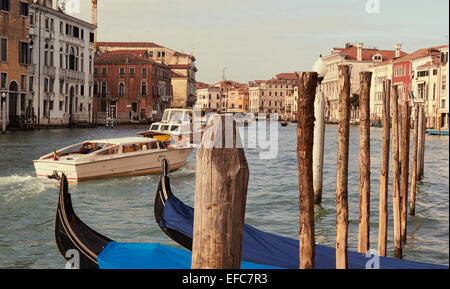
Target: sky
(257, 39)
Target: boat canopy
(151, 256)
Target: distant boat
(177, 122)
(436, 132)
(95, 159)
(284, 123)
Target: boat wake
(17, 187)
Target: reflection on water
(122, 208)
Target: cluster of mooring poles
(222, 175)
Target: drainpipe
(39, 71)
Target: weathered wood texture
(318, 149)
(222, 175)
(364, 163)
(406, 134)
(421, 140)
(412, 204)
(396, 174)
(342, 168)
(384, 170)
(307, 82)
(422, 150)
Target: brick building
(14, 59)
(130, 87)
(181, 64)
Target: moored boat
(176, 123)
(176, 220)
(436, 132)
(94, 159)
(84, 248)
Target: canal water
(122, 208)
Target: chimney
(359, 47)
(398, 47)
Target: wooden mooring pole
(396, 174)
(421, 142)
(220, 196)
(422, 150)
(318, 148)
(412, 204)
(364, 163)
(307, 83)
(342, 168)
(384, 170)
(406, 134)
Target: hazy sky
(256, 39)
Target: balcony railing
(50, 71)
(32, 68)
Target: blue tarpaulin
(263, 248)
(151, 256)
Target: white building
(443, 90)
(380, 73)
(256, 98)
(360, 59)
(61, 70)
(209, 97)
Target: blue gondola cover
(264, 248)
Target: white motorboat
(176, 124)
(94, 159)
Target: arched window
(103, 88)
(46, 55)
(121, 89)
(96, 88)
(144, 88)
(71, 58)
(77, 59)
(90, 64)
(61, 57)
(31, 52)
(82, 63)
(52, 62)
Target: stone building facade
(360, 59)
(61, 70)
(209, 97)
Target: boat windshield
(154, 127)
(176, 116)
(84, 148)
(174, 128)
(165, 127)
(131, 148)
(109, 151)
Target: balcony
(105, 96)
(50, 71)
(32, 69)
